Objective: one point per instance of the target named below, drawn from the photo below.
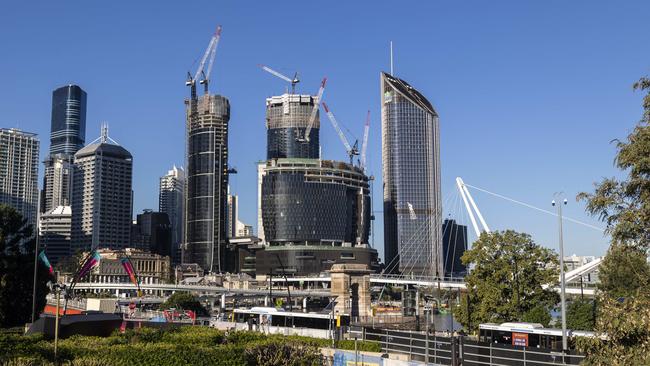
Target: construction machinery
(293, 81)
(364, 143)
(210, 53)
(352, 150)
(314, 111)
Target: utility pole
(562, 281)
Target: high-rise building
(287, 119)
(101, 196)
(171, 201)
(152, 232)
(67, 136)
(232, 216)
(19, 172)
(454, 245)
(411, 173)
(55, 233)
(68, 120)
(207, 182)
(312, 213)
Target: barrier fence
(461, 350)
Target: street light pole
(562, 281)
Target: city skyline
(483, 136)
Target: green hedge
(173, 346)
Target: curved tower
(207, 182)
(411, 171)
(287, 118)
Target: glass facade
(207, 183)
(454, 245)
(314, 202)
(411, 172)
(68, 131)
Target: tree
(624, 206)
(624, 271)
(512, 279)
(580, 315)
(17, 270)
(538, 314)
(184, 301)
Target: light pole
(562, 282)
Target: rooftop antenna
(391, 58)
(104, 133)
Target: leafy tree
(624, 271)
(184, 301)
(624, 205)
(17, 270)
(538, 314)
(510, 280)
(580, 315)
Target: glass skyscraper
(207, 183)
(411, 173)
(68, 131)
(67, 136)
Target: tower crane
(312, 117)
(351, 150)
(293, 81)
(364, 143)
(210, 51)
(205, 76)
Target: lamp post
(562, 282)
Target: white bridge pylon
(471, 205)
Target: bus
(526, 335)
(281, 318)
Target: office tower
(55, 233)
(312, 213)
(454, 245)
(411, 173)
(207, 182)
(152, 232)
(232, 216)
(287, 118)
(261, 165)
(67, 136)
(101, 196)
(172, 202)
(19, 172)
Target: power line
(536, 208)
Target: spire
(104, 133)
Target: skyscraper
(101, 196)
(232, 214)
(171, 201)
(67, 136)
(55, 233)
(411, 173)
(19, 172)
(152, 232)
(287, 119)
(68, 120)
(207, 182)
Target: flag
(47, 264)
(90, 263)
(128, 267)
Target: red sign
(520, 339)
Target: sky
(530, 94)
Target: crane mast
(205, 80)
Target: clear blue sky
(530, 94)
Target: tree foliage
(283, 353)
(509, 280)
(17, 270)
(184, 301)
(580, 315)
(624, 205)
(624, 271)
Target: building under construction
(314, 213)
(207, 118)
